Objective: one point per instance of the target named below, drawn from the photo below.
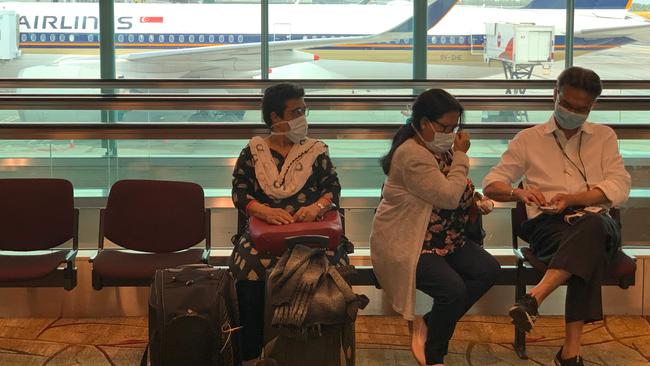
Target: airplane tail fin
(581, 4)
(435, 12)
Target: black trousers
(250, 296)
(583, 249)
(455, 282)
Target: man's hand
(307, 213)
(561, 201)
(276, 216)
(532, 196)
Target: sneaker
(524, 313)
(573, 361)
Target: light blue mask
(567, 119)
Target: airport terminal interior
(100, 91)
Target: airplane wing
(435, 12)
(638, 31)
(217, 53)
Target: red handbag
(271, 238)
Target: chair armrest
(205, 258)
(92, 257)
(72, 254)
(520, 256)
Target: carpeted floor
(479, 340)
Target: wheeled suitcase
(193, 318)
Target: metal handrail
(325, 102)
(308, 84)
(226, 131)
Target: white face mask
(567, 119)
(442, 142)
(297, 130)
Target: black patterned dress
(246, 262)
(446, 229)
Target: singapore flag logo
(151, 19)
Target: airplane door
(281, 32)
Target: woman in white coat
(418, 237)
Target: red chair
(158, 222)
(37, 215)
(530, 269)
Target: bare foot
(418, 339)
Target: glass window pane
(496, 39)
(334, 39)
(49, 40)
(168, 39)
(616, 43)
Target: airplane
(222, 40)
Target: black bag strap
(143, 361)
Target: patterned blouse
(446, 229)
(323, 182)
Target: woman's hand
(484, 204)
(441, 251)
(307, 213)
(461, 142)
(276, 216)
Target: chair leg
(520, 291)
(97, 282)
(70, 277)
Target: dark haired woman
(418, 237)
(281, 178)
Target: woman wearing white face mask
(419, 236)
(282, 178)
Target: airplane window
(131, 38)
(181, 38)
(221, 38)
(141, 38)
(71, 37)
(32, 37)
(62, 38)
(240, 38)
(151, 38)
(201, 38)
(23, 37)
(43, 38)
(171, 38)
(161, 38)
(434, 39)
(191, 38)
(461, 40)
(120, 38)
(452, 40)
(443, 39)
(211, 38)
(231, 38)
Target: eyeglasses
(448, 129)
(571, 108)
(295, 113)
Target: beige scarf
(297, 167)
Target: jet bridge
(9, 35)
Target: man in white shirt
(566, 163)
